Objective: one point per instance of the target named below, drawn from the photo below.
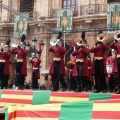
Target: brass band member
(80, 70)
(112, 60)
(35, 60)
(21, 67)
(4, 65)
(99, 63)
(116, 45)
(7, 54)
(71, 79)
(57, 68)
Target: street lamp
(34, 42)
(42, 45)
(27, 46)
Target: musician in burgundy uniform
(7, 54)
(35, 60)
(112, 60)
(4, 65)
(80, 70)
(71, 79)
(21, 66)
(99, 64)
(57, 68)
(90, 71)
(116, 46)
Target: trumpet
(100, 37)
(80, 42)
(117, 36)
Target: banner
(88, 110)
(64, 19)
(113, 14)
(20, 26)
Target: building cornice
(54, 21)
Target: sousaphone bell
(100, 37)
(80, 42)
(117, 36)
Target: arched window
(70, 4)
(109, 1)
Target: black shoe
(118, 92)
(111, 91)
(63, 89)
(78, 90)
(96, 91)
(69, 89)
(104, 91)
(53, 89)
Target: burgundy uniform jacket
(58, 52)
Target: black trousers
(118, 66)
(112, 82)
(100, 81)
(57, 77)
(2, 65)
(5, 82)
(35, 80)
(19, 76)
(80, 79)
(72, 83)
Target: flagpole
(64, 45)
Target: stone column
(4, 15)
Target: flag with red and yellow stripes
(27, 97)
(89, 110)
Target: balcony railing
(32, 15)
(92, 9)
(84, 10)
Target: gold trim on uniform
(56, 59)
(2, 60)
(79, 60)
(19, 60)
(118, 55)
(98, 58)
(35, 68)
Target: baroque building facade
(87, 14)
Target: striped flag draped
(90, 110)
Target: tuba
(15, 44)
(54, 41)
(80, 42)
(117, 36)
(100, 37)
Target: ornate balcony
(92, 9)
(84, 10)
(32, 15)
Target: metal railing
(74, 8)
(31, 16)
(84, 10)
(93, 9)
(14, 12)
